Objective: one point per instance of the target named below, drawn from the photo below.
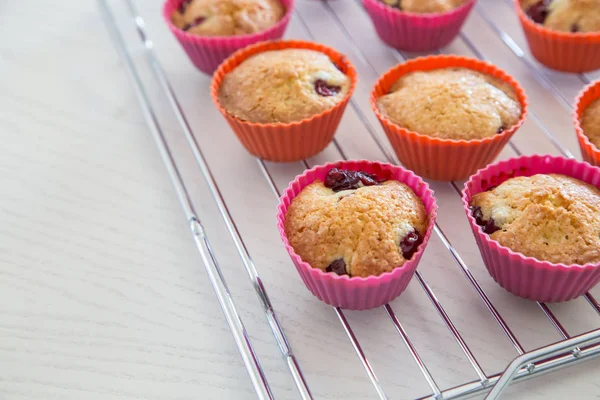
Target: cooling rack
(344, 25)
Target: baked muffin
(227, 17)
(283, 86)
(424, 6)
(451, 103)
(590, 122)
(550, 217)
(352, 224)
(565, 15)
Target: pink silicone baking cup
(207, 52)
(415, 31)
(525, 276)
(589, 151)
(357, 293)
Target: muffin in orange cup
(284, 99)
(448, 116)
(561, 35)
(587, 122)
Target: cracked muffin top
(283, 86)
(352, 224)
(590, 122)
(227, 17)
(565, 15)
(451, 103)
(550, 217)
(424, 6)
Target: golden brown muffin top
(227, 17)
(424, 6)
(565, 15)
(451, 103)
(360, 231)
(590, 122)
(283, 86)
(550, 217)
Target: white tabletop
(102, 293)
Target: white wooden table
(102, 293)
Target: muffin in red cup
(211, 30)
(356, 230)
(536, 220)
(587, 122)
(418, 25)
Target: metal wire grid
(569, 351)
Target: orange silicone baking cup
(437, 158)
(589, 151)
(291, 141)
(562, 51)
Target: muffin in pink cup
(536, 220)
(418, 26)
(356, 230)
(209, 31)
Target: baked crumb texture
(590, 122)
(424, 6)
(227, 17)
(550, 217)
(362, 227)
(283, 86)
(565, 15)
(451, 103)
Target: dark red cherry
(410, 244)
(337, 267)
(326, 90)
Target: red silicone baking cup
(525, 276)
(436, 158)
(415, 31)
(562, 51)
(293, 141)
(357, 293)
(589, 151)
(207, 52)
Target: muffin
(227, 17)
(425, 6)
(283, 86)
(354, 224)
(565, 15)
(451, 103)
(590, 122)
(550, 217)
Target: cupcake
(356, 230)
(562, 34)
(447, 116)
(537, 223)
(284, 100)
(211, 30)
(587, 122)
(418, 25)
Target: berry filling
(574, 28)
(324, 89)
(337, 267)
(538, 11)
(500, 130)
(183, 6)
(410, 244)
(196, 22)
(342, 179)
(488, 227)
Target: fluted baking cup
(410, 31)
(208, 52)
(291, 141)
(562, 51)
(357, 293)
(589, 151)
(437, 158)
(525, 276)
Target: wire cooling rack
(340, 16)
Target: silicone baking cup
(525, 276)
(207, 52)
(436, 158)
(562, 51)
(415, 31)
(357, 293)
(291, 141)
(590, 93)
